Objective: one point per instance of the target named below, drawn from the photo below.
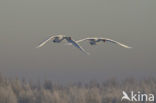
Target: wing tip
(39, 46)
(128, 47)
(125, 46)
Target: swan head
(104, 40)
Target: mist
(24, 24)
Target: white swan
(59, 38)
(94, 41)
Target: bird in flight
(60, 38)
(94, 41)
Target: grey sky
(24, 24)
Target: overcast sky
(25, 23)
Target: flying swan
(94, 41)
(60, 38)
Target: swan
(95, 40)
(60, 38)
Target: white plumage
(94, 41)
(60, 38)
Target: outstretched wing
(44, 42)
(77, 46)
(83, 40)
(113, 41)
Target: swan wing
(44, 42)
(78, 46)
(83, 40)
(79, 41)
(113, 41)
